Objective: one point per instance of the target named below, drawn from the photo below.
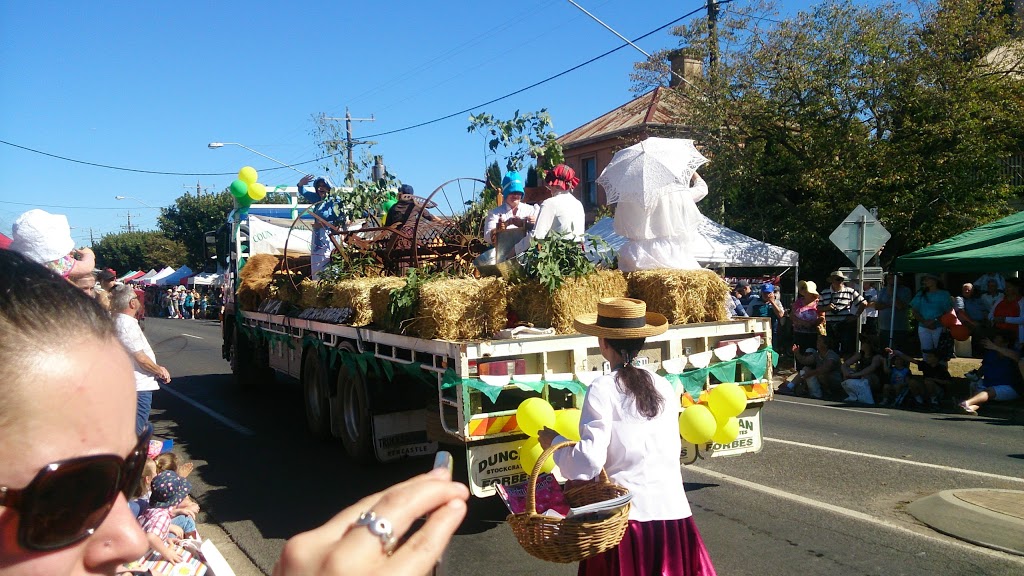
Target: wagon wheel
(454, 236)
(297, 264)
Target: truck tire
(316, 394)
(250, 366)
(354, 418)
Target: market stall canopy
(715, 245)
(145, 278)
(206, 279)
(995, 246)
(124, 277)
(5, 242)
(175, 277)
(132, 276)
(156, 278)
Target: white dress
(660, 235)
(562, 213)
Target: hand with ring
(364, 538)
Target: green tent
(995, 247)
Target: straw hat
(810, 287)
(622, 319)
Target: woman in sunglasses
(69, 454)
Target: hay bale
(460, 309)
(356, 293)
(683, 296)
(257, 278)
(531, 303)
(309, 294)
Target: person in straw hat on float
(629, 427)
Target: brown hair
(636, 382)
(41, 315)
(167, 461)
(149, 471)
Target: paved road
(825, 496)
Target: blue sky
(146, 86)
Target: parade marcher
(329, 210)
(928, 306)
(125, 303)
(562, 213)
(842, 306)
(629, 428)
(513, 212)
(59, 343)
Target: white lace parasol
(645, 171)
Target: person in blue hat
(513, 212)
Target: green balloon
(244, 201)
(239, 188)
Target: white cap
(41, 236)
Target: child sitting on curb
(169, 490)
(933, 380)
(894, 391)
(1001, 374)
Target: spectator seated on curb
(1001, 373)
(820, 374)
(863, 372)
(168, 491)
(895, 389)
(931, 383)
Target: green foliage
(493, 177)
(403, 301)
(352, 263)
(532, 179)
(523, 135)
(138, 251)
(849, 104)
(191, 216)
(558, 257)
(362, 193)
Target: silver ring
(379, 527)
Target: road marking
(857, 410)
(211, 413)
(196, 337)
(899, 460)
(850, 513)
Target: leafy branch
(523, 135)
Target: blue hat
(768, 287)
(169, 490)
(512, 183)
(405, 189)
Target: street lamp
(137, 200)
(215, 145)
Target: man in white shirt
(124, 304)
(562, 213)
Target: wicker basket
(570, 540)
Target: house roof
(659, 107)
(1008, 58)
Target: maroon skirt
(664, 547)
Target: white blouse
(562, 213)
(523, 210)
(639, 454)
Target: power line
(35, 205)
(389, 132)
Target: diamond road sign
(848, 236)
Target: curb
(951, 515)
(238, 560)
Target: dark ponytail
(636, 382)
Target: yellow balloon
(257, 191)
(248, 174)
(727, 432)
(533, 415)
(567, 423)
(697, 424)
(529, 452)
(727, 400)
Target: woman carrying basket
(629, 427)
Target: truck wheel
(314, 388)
(240, 358)
(356, 412)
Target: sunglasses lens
(135, 463)
(69, 501)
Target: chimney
(690, 68)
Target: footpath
(982, 516)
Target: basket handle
(531, 492)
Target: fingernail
(440, 473)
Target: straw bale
(531, 303)
(257, 278)
(460, 309)
(259, 266)
(358, 294)
(683, 296)
(309, 294)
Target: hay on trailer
(310, 293)
(357, 294)
(460, 309)
(530, 301)
(257, 278)
(683, 296)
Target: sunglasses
(68, 500)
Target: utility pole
(92, 239)
(199, 188)
(129, 228)
(713, 82)
(350, 143)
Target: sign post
(860, 237)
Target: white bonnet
(41, 236)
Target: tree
(523, 135)
(190, 218)
(843, 105)
(138, 251)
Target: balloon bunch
(718, 420)
(246, 189)
(535, 414)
